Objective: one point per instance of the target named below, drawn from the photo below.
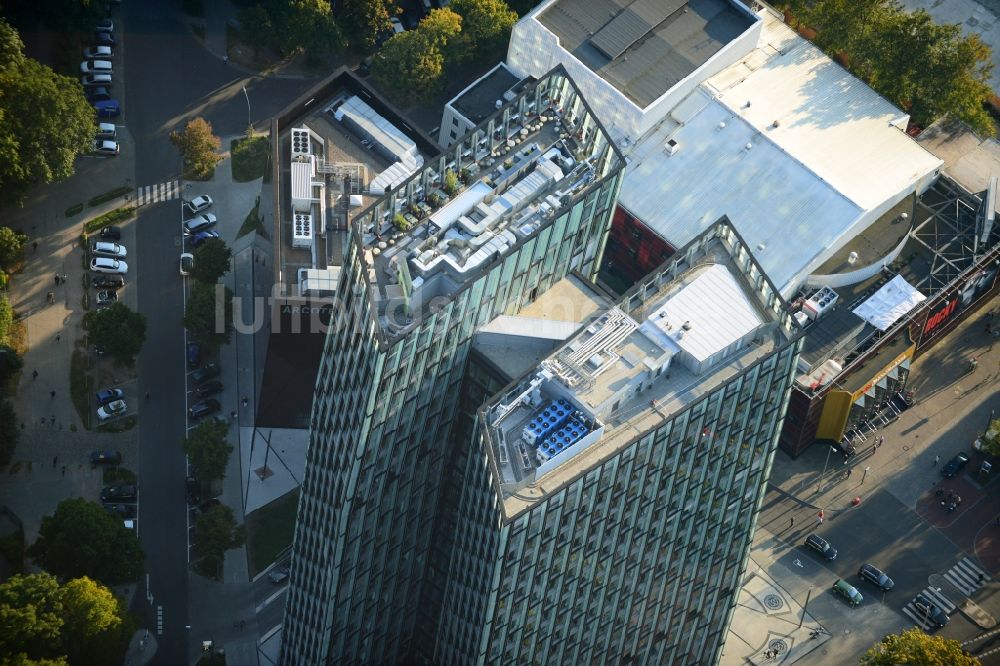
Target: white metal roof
(830, 121)
(785, 213)
(387, 135)
(715, 309)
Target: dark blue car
(201, 237)
(108, 108)
(193, 354)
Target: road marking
(159, 620)
(935, 596)
(270, 599)
(165, 191)
(966, 576)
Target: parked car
(929, 611)
(108, 282)
(108, 108)
(91, 80)
(106, 297)
(206, 372)
(186, 263)
(95, 67)
(121, 510)
(92, 52)
(278, 574)
(104, 38)
(848, 592)
(98, 94)
(397, 26)
(105, 457)
(105, 25)
(876, 577)
(199, 223)
(206, 506)
(111, 233)
(111, 410)
(204, 408)
(108, 265)
(107, 249)
(193, 351)
(122, 493)
(107, 131)
(192, 490)
(104, 148)
(208, 388)
(104, 396)
(955, 465)
(821, 546)
(198, 204)
(199, 238)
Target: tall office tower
(611, 495)
(522, 200)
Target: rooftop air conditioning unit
(671, 147)
(820, 303)
(302, 230)
(300, 142)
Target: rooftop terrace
(636, 365)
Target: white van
(95, 67)
(107, 131)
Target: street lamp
(249, 122)
(823, 475)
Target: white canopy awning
(888, 304)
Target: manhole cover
(773, 601)
(777, 646)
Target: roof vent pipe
(748, 146)
(722, 124)
(499, 103)
(747, 105)
(852, 257)
(687, 326)
(775, 123)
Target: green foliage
(410, 67)
(6, 318)
(198, 144)
(108, 196)
(81, 386)
(82, 539)
(118, 330)
(400, 222)
(290, 26)
(450, 183)
(9, 432)
(111, 217)
(11, 246)
(927, 69)
(917, 648)
(486, 25)
(211, 260)
(209, 314)
(208, 450)
(45, 122)
(522, 7)
(75, 209)
(57, 15)
(81, 623)
(441, 26)
(215, 532)
(367, 20)
(249, 158)
(991, 439)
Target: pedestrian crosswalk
(155, 193)
(920, 617)
(967, 576)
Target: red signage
(941, 315)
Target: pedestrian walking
(846, 457)
(51, 297)
(245, 401)
(849, 470)
(64, 470)
(34, 246)
(55, 459)
(881, 441)
(57, 279)
(225, 59)
(233, 415)
(822, 514)
(147, 395)
(34, 374)
(58, 338)
(937, 459)
(52, 393)
(791, 522)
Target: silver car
(108, 265)
(106, 249)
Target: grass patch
(249, 158)
(81, 385)
(119, 475)
(270, 530)
(120, 425)
(111, 217)
(108, 196)
(74, 210)
(253, 222)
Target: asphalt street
(170, 78)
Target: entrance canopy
(888, 304)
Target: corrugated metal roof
(827, 119)
(771, 199)
(632, 24)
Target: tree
(82, 539)
(842, 25)
(208, 451)
(11, 246)
(308, 25)
(410, 66)
(30, 614)
(97, 626)
(211, 260)
(45, 122)
(209, 314)
(441, 26)
(58, 15)
(990, 439)
(257, 26)
(215, 532)
(366, 21)
(9, 432)
(6, 318)
(198, 145)
(917, 648)
(486, 24)
(118, 330)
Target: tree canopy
(215, 532)
(45, 121)
(198, 144)
(82, 539)
(43, 623)
(117, 330)
(209, 314)
(486, 24)
(411, 66)
(10, 433)
(11, 246)
(292, 25)
(211, 260)
(57, 15)
(365, 21)
(208, 450)
(918, 649)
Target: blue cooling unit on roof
(546, 421)
(562, 439)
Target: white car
(187, 263)
(111, 410)
(97, 52)
(92, 80)
(397, 26)
(107, 131)
(108, 265)
(105, 25)
(106, 249)
(199, 203)
(104, 147)
(95, 67)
